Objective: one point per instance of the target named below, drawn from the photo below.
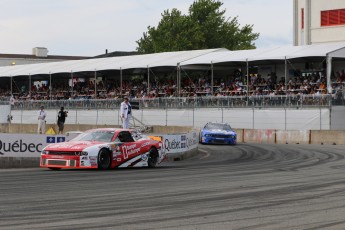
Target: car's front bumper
(218, 140)
(58, 161)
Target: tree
(205, 27)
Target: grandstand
(289, 72)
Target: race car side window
(125, 136)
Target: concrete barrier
(266, 136)
(171, 129)
(240, 135)
(32, 128)
(293, 137)
(324, 137)
(327, 137)
(183, 156)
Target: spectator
(61, 119)
(12, 100)
(126, 112)
(41, 121)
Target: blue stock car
(217, 133)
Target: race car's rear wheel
(104, 159)
(153, 158)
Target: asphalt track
(247, 186)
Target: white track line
(207, 154)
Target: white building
(318, 21)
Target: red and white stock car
(104, 148)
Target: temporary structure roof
(292, 52)
(173, 59)
(166, 59)
(226, 56)
(112, 63)
(272, 53)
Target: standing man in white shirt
(12, 100)
(125, 112)
(41, 121)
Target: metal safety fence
(276, 101)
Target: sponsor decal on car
(147, 143)
(144, 157)
(156, 138)
(116, 150)
(129, 150)
(93, 161)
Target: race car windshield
(95, 136)
(211, 126)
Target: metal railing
(250, 113)
(282, 101)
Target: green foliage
(205, 27)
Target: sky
(89, 27)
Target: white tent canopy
(181, 58)
(226, 56)
(113, 63)
(173, 59)
(272, 53)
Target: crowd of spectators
(313, 83)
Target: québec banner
(26, 145)
(31, 145)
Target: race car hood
(71, 146)
(218, 131)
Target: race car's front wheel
(104, 159)
(153, 158)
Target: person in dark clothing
(61, 119)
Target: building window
(333, 17)
(302, 18)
